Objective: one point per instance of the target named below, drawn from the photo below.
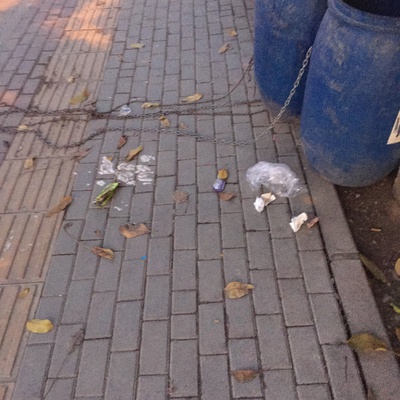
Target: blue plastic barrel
(283, 32)
(352, 95)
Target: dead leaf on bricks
(180, 196)
(223, 174)
(22, 127)
(236, 290)
(373, 268)
(223, 49)
(366, 342)
(395, 308)
(150, 104)
(80, 98)
(39, 325)
(103, 252)
(232, 32)
(78, 155)
(130, 231)
(122, 140)
(137, 45)
(397, 267)
(312, 222)
(29, 162)
(397, 331)
(182, 126)
(245, 375)
(62, 205)
(226, 196)
(164, 122)
(133, 153)
(99, 234)
(192, 98)
(23, 293)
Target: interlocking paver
(212, 329)
(156, 301)
(280, 384)
(184, 302)
(214, 377)
(152, 387)
(184, 270)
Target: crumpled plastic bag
(277, 178)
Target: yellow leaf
(395, 308)
(373, 268)
(65, 202)
(397, 267)
(23, 293)
(245, 375)
(102, 252)
(223, 49)
(29, 163)
(366, 342)
(80, 98)
(226, 196)
(236, 290)
(131, 231)
(192, 98)
(232, 32)
(22, 127)
(137, 45)
(180, 196)
(133, 153)
(164, 121)
(149, 104)
(182, 126)
(223, 174)
(39, 325)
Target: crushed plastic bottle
(124, 110)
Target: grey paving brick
(186, 171)
(184, 270)
(233, 234)
(240, 317)
(152, 387)
(265, 295)
(183, 354)
(212, 329)
(137, 248)
(108, 274)
(307, 359)
(286, 258)
(280, 385)
(121, 202)
(186, 148)
(112, 237)
(141, 208)
(78, 208)
(86, 261)
(167, 142)
(246, 157)
(86, 174)
(184, 302)
(162, 225)
(279, 218)
(121, 377)
(58, 276)
(209, 244)
(32, 374)
(208, 208)
(183, 326)
(159, 260)
(59, 389)
(92, 368)
(101, 312)
(313, 392)
(165, 187)
(245, 189)
(131, 285)
(185, 232)
(260, 251)
(65, 244)
(156, 301)
(210, 281)
(285, 143)
(95, 221)
(205, 153)
(235, 265)
(214, 378)
(253, 220)
(295, 303)
(234, 205)
(77, 303)
(315, 271)
(206, 175)
(154, 348)
(243, 355)
(189, 207)
(166, 165)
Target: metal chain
(74, 114)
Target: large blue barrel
(352, 95)
(283, 32)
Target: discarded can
(219, 185)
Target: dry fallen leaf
(236, 290)
(22, 127)
(192, 98)
(78, 155)
(180, 196)
(137, 45)
(232, 32)
(39, 325)
(29, 162)
(149, 104)
(133, 153)
(397, 267)
(80, 98)
(165, 121)
(223, 49)
(226, 196)
(102, 252)
(397, 331)
(66, 201)
(395, 308)
(366, 342)
(23, 293)
(99, 234)
(312, 222)
(70, 79)
(130, 231)
(373, 268)
(376, 229)
(245, 375)
(122, 140)
(223, 174)
(182, 125)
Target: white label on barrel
(395, 134)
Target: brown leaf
(70, 79)
(78, 155)
(180, 196)
(29, 163)
(22, 127)
(133, 153)
(223, 174)
(66, 201)
(226, 196)
(137, 45)
(80, 98)
(165, 122)
(223, 49)
(236, 290)
(312, 222)
(150, 104)
(232, 32)
(122, 140)
(23, 293)
(99, 234)
(192, 98)
(376, 229)
(102, 252)
(182, 126)
(397, 267)
(373, 268)
(366, 342)
(397, 331)
(245, 375)
(39, 325)
(131, 231)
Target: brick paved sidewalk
(156, 323)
